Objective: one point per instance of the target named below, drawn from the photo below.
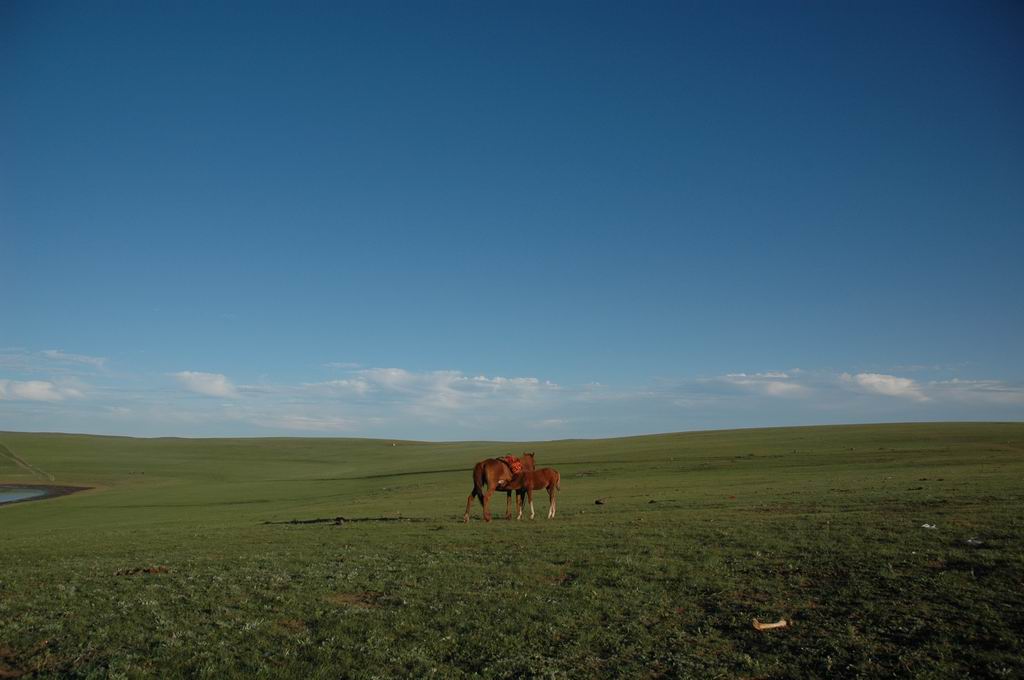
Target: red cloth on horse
(514, 463)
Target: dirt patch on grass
(10, 661)
(564, 577)
(7, 668)
(36, 661)
(50, 491)
(361, 600)
(292, 625)
(157, 569)
(781, 508)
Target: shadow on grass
(343, 520)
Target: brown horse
(491, 473)
(528, 480)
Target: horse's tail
(478, 480)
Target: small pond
(10, 494)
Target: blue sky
(508, 220)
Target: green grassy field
(700, 533)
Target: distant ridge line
(507, 442)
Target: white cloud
(64, 357)
(452, 404)
(382, 401)
(210, 384)
(771, 383)
(353, 386)
(982, 391)
(14, 359)
(443, 396)
(452, 387)
(500, 383)
(393, 378)
(47, 361)
(308, 423)
(775, 388)
(35, 390)
(889, 385)
(342, 365)
(258, 389)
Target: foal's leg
(469, 503)
(529, 493)
(508, 505)
(552, 500)
(519, 505)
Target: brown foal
(528, 480)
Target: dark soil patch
(365, 600)
(292, 625)
(7, 668)
(564, 578)
(158, 569)
(9, 660)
